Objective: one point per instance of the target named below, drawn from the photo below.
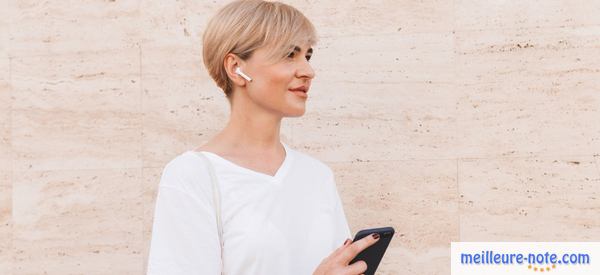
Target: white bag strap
(217, 200)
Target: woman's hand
(337, 262)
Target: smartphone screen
(372, 255)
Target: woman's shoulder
(185, 162)
(186, 171)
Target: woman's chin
(296, 112)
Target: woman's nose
(306, 70)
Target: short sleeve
(184, 231)
(342, 229)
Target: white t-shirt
(282, 224)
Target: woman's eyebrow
(298, 49)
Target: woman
(280, 209)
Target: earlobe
(232, 64)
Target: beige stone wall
(460, 120)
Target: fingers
(353, 249)
(357, 268)
(341, 248)
(335, 253)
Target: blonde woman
(280, 212)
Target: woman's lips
(299, 93)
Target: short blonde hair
(243, 26)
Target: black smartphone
(372, 255)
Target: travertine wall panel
(450, 120)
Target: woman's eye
(291, 55)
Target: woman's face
(271, 83)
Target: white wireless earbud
(239, 71)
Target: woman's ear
(231, 62)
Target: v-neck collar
(281, 171)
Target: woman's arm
(184, 232)
(342, 228)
